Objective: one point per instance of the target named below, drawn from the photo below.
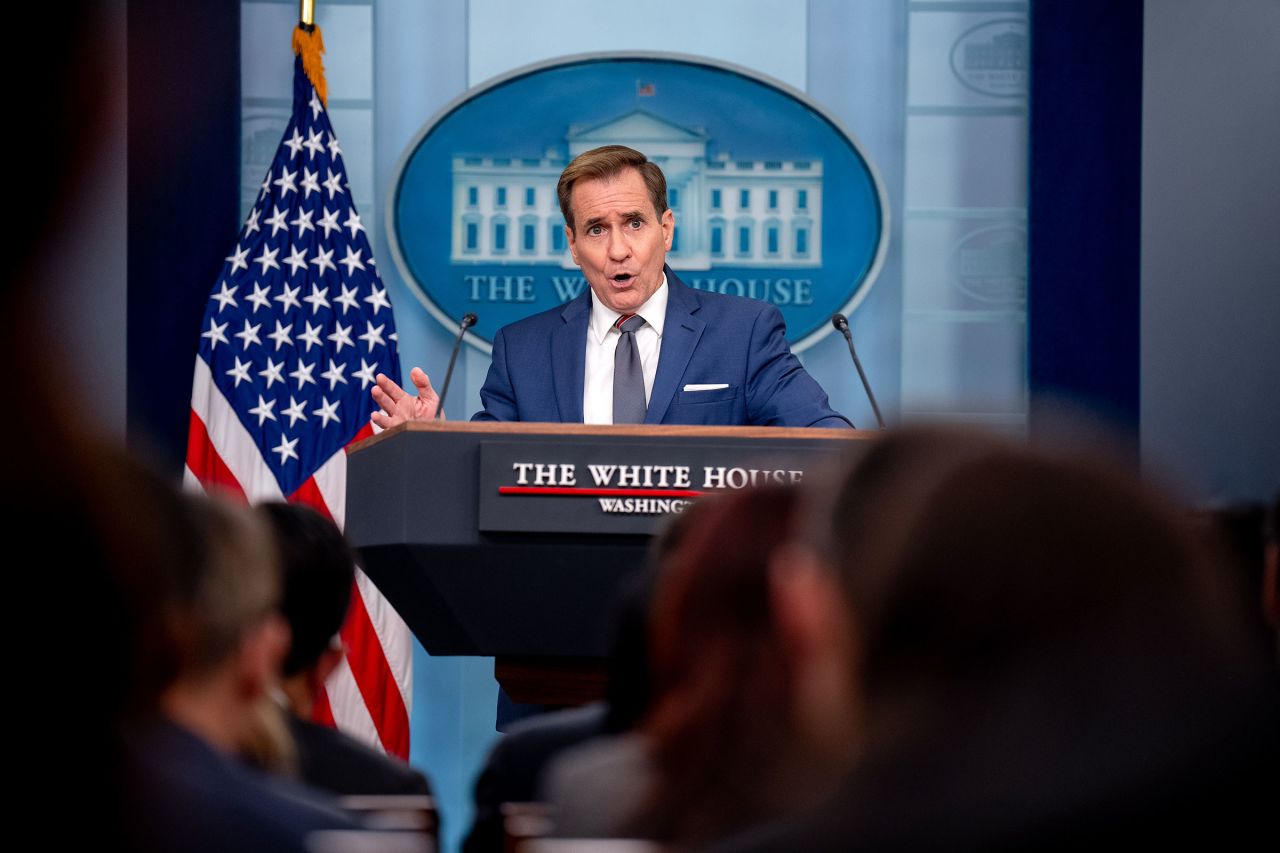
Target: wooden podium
(510, 539)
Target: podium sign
(619, 487)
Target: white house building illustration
(750, 213)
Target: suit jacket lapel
(680, 335)
(569, 358)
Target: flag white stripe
(331, 479)
(393, 635)
(349, 710)
(229, 437)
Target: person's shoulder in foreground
(511, 772)
(337, 762)
(190, 796)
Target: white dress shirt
(602, 341)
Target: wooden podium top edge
(516, 428)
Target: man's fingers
(419, 377)
(383, 399)
(390, 388)
(400, 406)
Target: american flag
(297, 326)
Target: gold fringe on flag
(310, 46)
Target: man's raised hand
(399, 406)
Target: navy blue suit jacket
(707, 339)
(185, 795)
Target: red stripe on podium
(598, 493)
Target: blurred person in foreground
(319, 570)
(209, 649)
(1271, 574)
(1033, 651)
(514, 768)
(516, 762)
(719, 750)
(61, 484)
(1245, 535)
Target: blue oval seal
(773, 199)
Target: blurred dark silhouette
(516, 764)
(718, 751)
(75, 506)
(1271, 574)
(1042, 654)
(319, 570)
(512, 770)
(722, 739)
(214, 642)
(1245, 533)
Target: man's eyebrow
(628, 216)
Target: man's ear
(261, 654)
(668, 220)
(573, 246)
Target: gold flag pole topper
(309, 44)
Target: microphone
(842, 326)
(468, 320)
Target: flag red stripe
(309, 493)
(374, 678)
(207, 465)
(365, 432)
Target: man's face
(618, 239)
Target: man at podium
(638, 346)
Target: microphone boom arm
(842, 326)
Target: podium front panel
(502, 540)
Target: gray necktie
(628, 376)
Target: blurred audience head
(1028, 636)
(220, 628)
(628, 692)
(963, 557)
(319, 569)
(629, 687)
(1242, 532)
(1271, 573)
(722, 740)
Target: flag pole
(308, 43)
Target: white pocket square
(715, 387)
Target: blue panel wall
(1211, 247)
(1085, 205)
(183, 164)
